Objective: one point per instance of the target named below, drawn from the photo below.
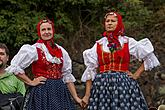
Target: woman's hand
(138, 72)
(28, 81)
(38, 80)
(78, 100)
(133, 76)
(85, 101)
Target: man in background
(11, 88)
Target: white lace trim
(48, 56)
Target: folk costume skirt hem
(53, 95)
(116, 91)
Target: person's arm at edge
(73, 92)
(28, 81)
(138, 72)
(88, 86)
(21, 87)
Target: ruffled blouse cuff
(151, 61)
(26, 55)
(68, 78)
(15, 69)
(88, 75)
(144, 48)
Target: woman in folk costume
(51, 66)
(109, 83)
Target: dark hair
(3, 46)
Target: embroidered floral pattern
(112, 47)
(53, 70)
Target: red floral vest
(42, 67)
(116, 61)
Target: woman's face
(111, 23)
(46, 31)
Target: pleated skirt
(53, 95)
(116, 91)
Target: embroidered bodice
(42, 67)
(115, 61)
(141, 50)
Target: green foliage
(59, 39)
(136, 17)
(136, 12)
(73, 18)
(62, 21)
(76, 2)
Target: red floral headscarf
(113, 36)
(44, 21)
(50, 44)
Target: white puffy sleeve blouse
(28, 54)
(142, 50)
